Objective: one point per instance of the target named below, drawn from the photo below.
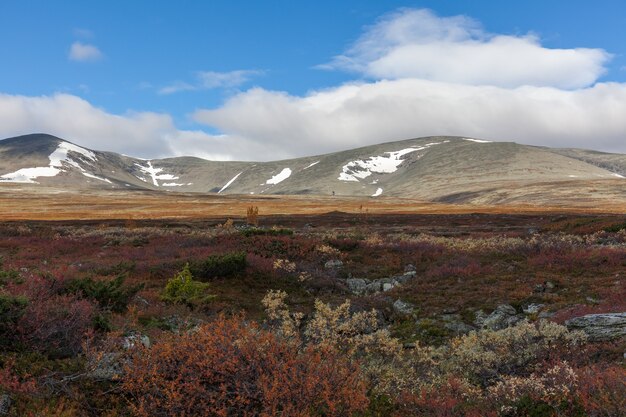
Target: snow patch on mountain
(477, 140)
(154, 173)
(280, 177)
(95, 177)
(309, 166)
(58, 160)
(229, 182)
(378, 192)
(382, 164)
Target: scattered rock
(356, 285)
(455, 324)
(134, 339)
(545, 287)
(592, 300)
(458, 328)
(105, 367)
(545, 315)
(409, 268)
(598, 327)
(533, 308)
(5, 404)
(360, 286)
(450, 310)
(502, 317)
(403, 307)
(333, 263)
(373, 287)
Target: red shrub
(12, 383)
(52, 322)
(602, 390)
(229, 367)
(447, 400)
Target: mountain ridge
(435, 168)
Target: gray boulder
(5, 404)
(455, 324)
(533, 308)
(599, 327)
(333, 263)
(105, 367)
(402, 307)
(502, 317)
(356, 285)
(135, 339)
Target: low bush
(11, 310)
(111, 295)
(214, 266)
(183, 289)
(231, 367)
(255, 231)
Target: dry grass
(31, 203)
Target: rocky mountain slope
(447, 169)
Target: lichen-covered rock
(533, 308)
(333, 264)
(454, 323)
(502, 317)
(598, 327)
(5, 404)
(356, 285)
(402, 307)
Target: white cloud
(419, 44)
(176, 87)
(84, 52)
(207, 80)
(231, 79)
(535, 95)
(361, 114)
(144, 134)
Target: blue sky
(226, 79)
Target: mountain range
(439, 168)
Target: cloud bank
(418, 44)
(141, 134)
(418, 75)
(427, 75)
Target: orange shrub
(231, 367)
(602, 390)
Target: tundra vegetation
(327, 316)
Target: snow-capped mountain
(451, 169)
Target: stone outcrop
(502, 317)
(362, 286)
(608, 326)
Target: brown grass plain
(47, 204)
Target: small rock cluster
(362, 286)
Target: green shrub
(111, 295)
(183, 289)
(614, 228)
(6, 276)
(255, 231)
(11, 309)
(219, 266)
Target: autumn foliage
(231, 367)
